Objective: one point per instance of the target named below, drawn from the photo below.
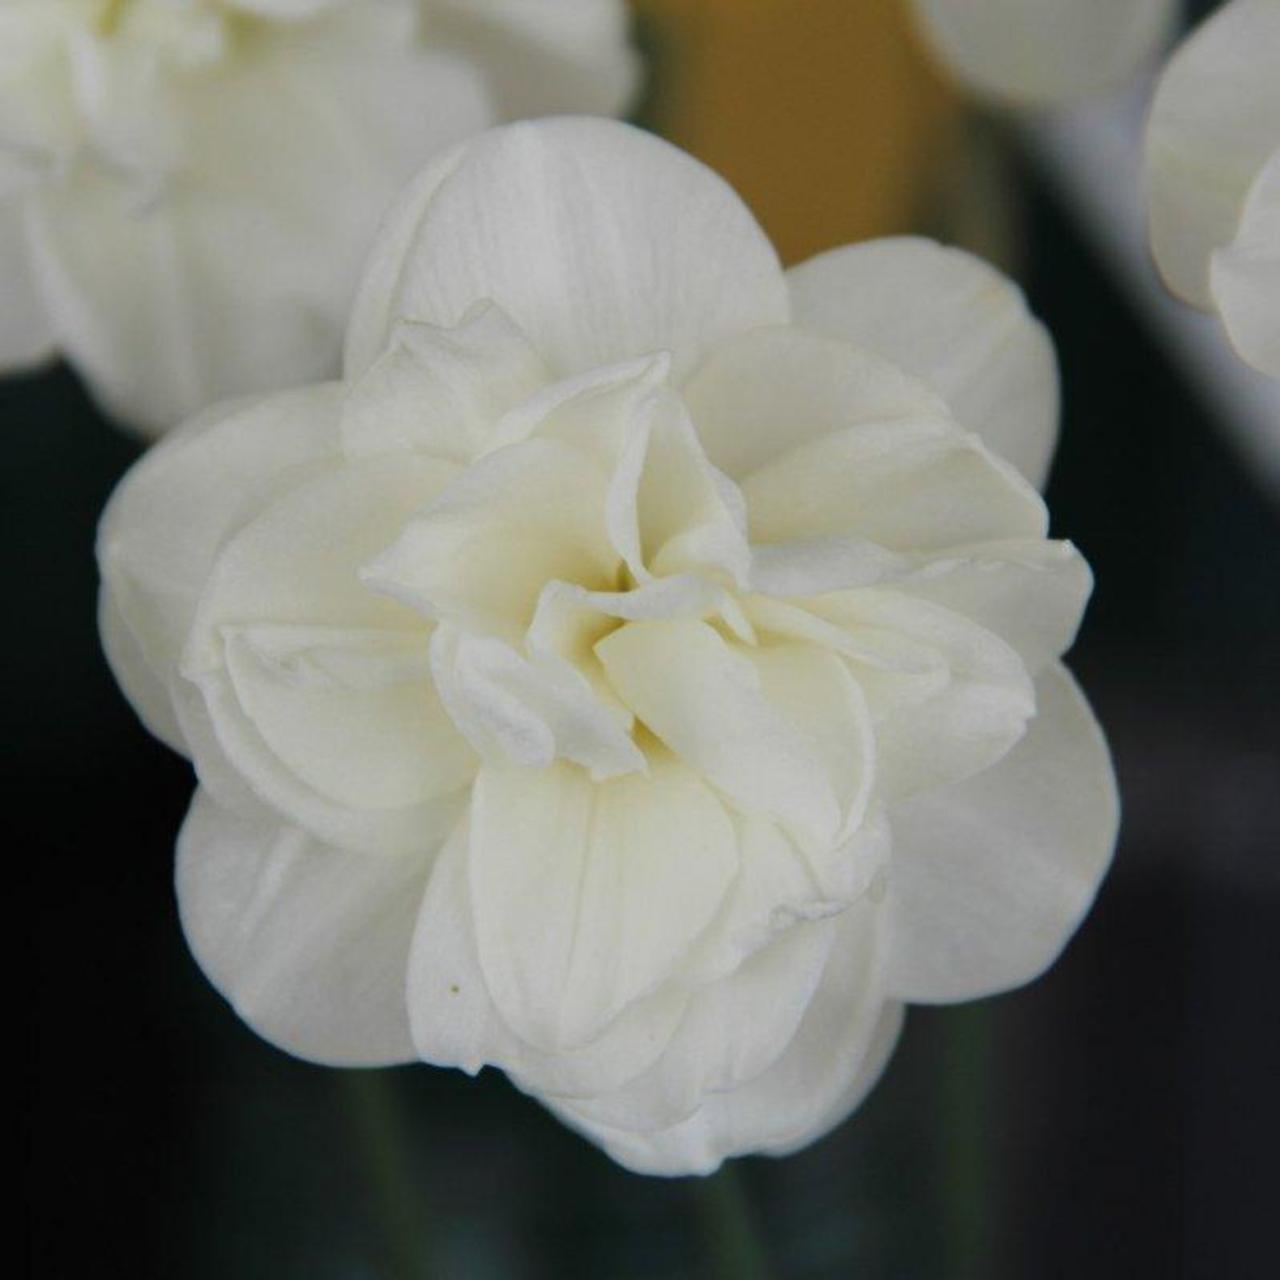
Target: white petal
(909, 485)
(310, 944)
(441, 391)
(945, 718)
(26, 336)
(951, 320)
(1214, 121)
(169, 517)
(481, 552)
(456, 1024)
(991, 877)
(758, 396)
(1245, 276)
(600, 241)
(353, 713)
(296, 566)
(146, 690)
(836, 1056)
(545, 57)
(1044, 51)
(1029, 593)
(732, 1032)
(529, 710)
(828, 440)
(588, 895)
(762, 741)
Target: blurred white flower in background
(1042, 52)
(1213, 174)
(641, 673)
(187, 187)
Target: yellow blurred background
(824, 114)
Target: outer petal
(1043, 51)
(991, 877)
(545, 56)
(836, 1056)
(1214, 121)
(26, 337)
(310, 944)
(169, 517)
(600, 241)
(588, 895)
(951, 320)
(1245, 276)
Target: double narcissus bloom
(1213, 175)
(640, 673)
(1038, 52)
(188, 187)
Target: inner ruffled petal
(480, 554)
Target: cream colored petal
(954, 322)
(26, 336)
(1214, 121)
(456, 1023)
(1245, 276)
(758, 396)
(949, 697)
(587, 896)
(991, 877)
(482, 551)
(309, 944)
(908, 485)
(601, 242)
(295, 568)
(837, 1054)
(1038, 52)
(354, 714)
(167, 520)
(731, 1033)
(713, 705)
(530, 709)
(441, 391)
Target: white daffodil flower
(640, 673)
(1213, 175)
(1040, 52)
(188, 187)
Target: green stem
(379, 1126)
(967, 1208)
(736, 1252)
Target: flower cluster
(640, 672)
